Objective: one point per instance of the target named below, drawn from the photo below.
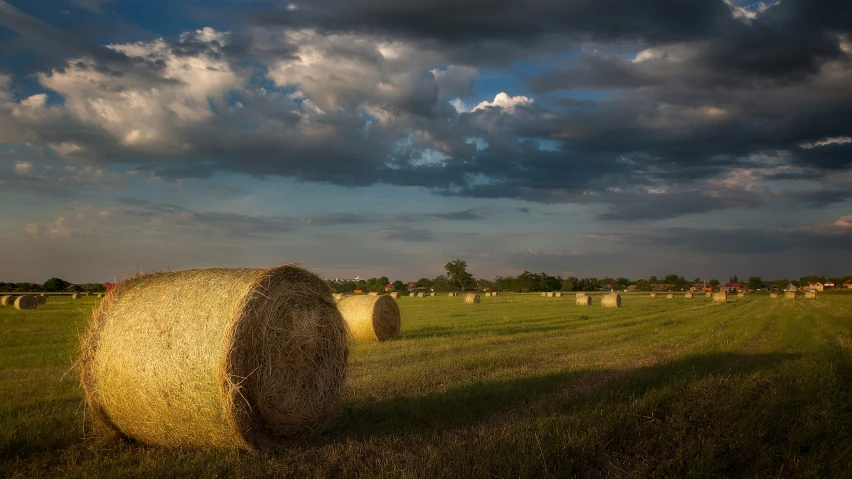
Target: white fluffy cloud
(504, 102)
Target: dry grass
(226, 358)
(370, 318)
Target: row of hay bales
(607, 301)
(24, 302)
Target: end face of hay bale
(8, 300)
(243, 357)
(720, 297)
(543, 294)
(611, 301)
(371, 318)
(494, 293)
(708, 295)
(790, 295)
(653, 295)
(810, 295)
(550, 294)
(471, 299)
(26, 302)
(394, 295)
(583, 300)
(670, 296)
(557, 294)
(76, 296)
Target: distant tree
(643, 285)
(734, 279)
(714, 283)
(653, 280)
(697, 280)
(570, 284)
(398, 285)
(457, 273)
(442, 284)
(754, 282)
(424, 283)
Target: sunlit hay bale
(708, 295)
(337, 296)
(372, 293)
(741, 295)
(452, 295)
(26, 301)
(670, 296)
(687, 295)
(225, 358)
(790, 295)
(76, 296)
(494, 293)
(41, 299)
(550, 294)
(720, 297)
(557, 294)
(471, 299)
(88, 293)
(773, 295)
(434, 294)
(583, 299)
(394, 295)
(370, 318)
(810, 294)
(543, 294)
(653, 295)
(611, 300)
(8, 300)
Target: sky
(706, 138)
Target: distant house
(388, 287)
(791, 287)
(817, 287)
(731, 287)
(829, 285)
(847, 284)
(632, 287)
(661, 287)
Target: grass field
(518, 386)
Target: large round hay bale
(394, 295)
(26, 301)
(653, 295)
(790, 295)
(708, 295)
(583, 300)
(720, 297)
(8, 300)
(773, 295)
(226, 358)
(670, 296)
(41, 299)
(557, 294)
(550, 294)
(611, 300)
(543, 294)
(371, 318)
(76, 296)
(810, 295)
(687, 295)
(372, 293)
(471, 299)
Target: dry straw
(789, 295)
(687, 295)
(653, 295)
(394, 295)
(372, 293)
(773, 295)
(337, 296)
(550, 294)
(543, 295)
(583, 299)
(226, 358)
(611, 300)
(26, 302)
(452, 295)
(370, 318)
(7, 300)
(720, 297)
(708, 295)
(670, 296)
(471, 299)
(810, 295)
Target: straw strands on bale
(26, 302)
(583, 300)
(226, 358)
(394, 295)
(773, 295)
(471, 299)
(720, 297)
(338, 296)
(687, 295)
(7, 300)
(370, 318)
(611, 300)
(670, 296)
(810, 295)
(653, 295)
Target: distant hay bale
(670, 296)
(435, 295)
(810, 295)
(76, 296)
(26, 302)
(394, 295)
(100, 295)
(371, 318)
(471, 299)
(741, 295)
(372, 293)
(88, 293)
(543, 294)
(452, 295)
(687, 295)
(653, 295)
(789, 295)
(550, 294)
(494, 294)
(557, 294)
(8, 300)
(225, 358)
(337, 296)
(611, 300)
(41, 299)
(708, 295)
(720, 297)
(773, 295)
(583, 299)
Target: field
(518, 386)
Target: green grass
(518, 386)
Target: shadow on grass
(480, 402)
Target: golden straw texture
(225, 358)
(789, 295)
(583, 300)
(371, 318)
(611, 301)
(720, 297)
(7, 300)
(810, 295)
(471, 299)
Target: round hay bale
(371, 318)
(394, 295)
(494, 294)
(708, 295)
(225, 358)
(583, 300)
(434, 295)
(337, 296)
(670, 296)
(372, 293)
(741, 295)
(687, 295)
(611, 300)
(76, 296)
(543, 294)
(557, 294)
(452, 295)
(471, 299)
(88, 293)
(810, 295)
(41, 299)
(790, 295)
(550, 294)
(653, 295)
(773, 295)
(8, 300)
(720, 297)
(26, 302)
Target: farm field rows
(517, 386)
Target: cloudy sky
(385, 137)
